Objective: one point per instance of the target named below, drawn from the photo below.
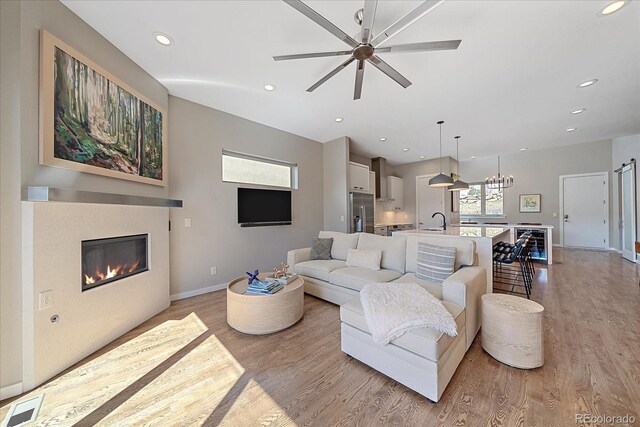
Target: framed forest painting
(90, 121)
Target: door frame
(605, 178)
(444, 200)
(629, 167)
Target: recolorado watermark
(605, 419)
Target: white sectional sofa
(423, 360)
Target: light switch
(187, 222)
(555, 214)
(342, 218)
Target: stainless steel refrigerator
(361, 216)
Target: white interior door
(628, 211)
(429, 201)
(585, 211)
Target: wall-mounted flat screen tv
(258, 207)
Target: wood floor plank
(217, 376)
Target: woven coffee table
(264, 314)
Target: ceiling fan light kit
(441, 180)
(366, 47)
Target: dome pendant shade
(458, 185)
(441, 180)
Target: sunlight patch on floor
(78, 393)
(186, 393)
(254, 407)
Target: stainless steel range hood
(379, 166)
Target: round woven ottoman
(512, 330)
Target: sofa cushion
(435, 263)
(393, 250)
(364, 258)
(342, 242)
(355, 278)
(426, 342)
(319, 269)
(321, 248)
(465, 249)
(433, 288)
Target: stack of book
(264, 287)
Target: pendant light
(441, 180)
(458, 184)
(499, 183)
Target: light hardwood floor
(179, 369)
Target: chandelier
(500, 182)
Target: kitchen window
(481, 201)
(249, 169)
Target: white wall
(10, 246)
(336, 186)
(199, 134)
(623, 150)
(538, 171)
(21, 23)
(52, 262)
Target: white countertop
(503, 225)
(462, 231)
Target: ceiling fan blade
(312, 55)
(331, 74)
(322, 21)
(420, 47)
(359, 78)
(389, 71)
(405, 21)
(368, 16)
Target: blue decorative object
(252, 277)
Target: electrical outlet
(214, 271)
(555, 214)
(187, 222)
(46, 299)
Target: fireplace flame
(118, 270)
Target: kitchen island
(485, 238)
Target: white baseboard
(615, 250)
(196, 292)
(10, 391)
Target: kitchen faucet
(444, 220)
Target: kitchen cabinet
(395, 192)
(358, 177)
(372, 183)
(380, 230)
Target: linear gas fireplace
(111, 259)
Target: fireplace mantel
(52, 194)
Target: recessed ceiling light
(422, 157)
(383, 139)
(405, 149)
(588, 83)
(163, 39)
(269, 87)
(613, 7)
(523, 149)
(473, 157)
(339, 119)
(579, 110)
(570, 129)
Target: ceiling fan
(364, 46)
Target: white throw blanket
(393, 309)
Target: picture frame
(91, 121)
(530, 203)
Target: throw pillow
(363, 258)
(321, 248)
(435, 263)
